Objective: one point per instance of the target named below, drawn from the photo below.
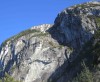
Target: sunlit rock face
(32, 57)
(43, 27)
(43, 53)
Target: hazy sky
(18, 15)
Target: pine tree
(84, 76)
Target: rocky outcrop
(77, 22)
(43, 53)
(42, 28)
(33, 57)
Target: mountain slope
(52, 53)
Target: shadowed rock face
(77, 23)
(42, 53)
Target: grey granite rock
(42, 53)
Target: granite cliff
(46, 52)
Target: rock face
(32, 57)
(43, 53)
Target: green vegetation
(83, 6)
(90, 54)
(13, 68)
(41, 34)
(60, 46)
(96, 18)
(7, 78)
(85, 75)
(23, 33)
(70, 49)
(55, 45)
(52, 44)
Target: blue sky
(19, 15)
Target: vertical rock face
(32, 57)
(42, 53)
(77, 23)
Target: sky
(19, 15)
